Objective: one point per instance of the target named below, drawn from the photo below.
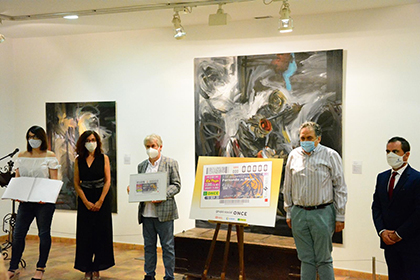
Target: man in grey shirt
(315, 197)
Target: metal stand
(9, 220)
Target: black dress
(94, 244)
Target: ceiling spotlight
(185, 10)
(179, 30)
(285, 21)
(219, 18)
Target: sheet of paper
(18, 188)
(45, 190)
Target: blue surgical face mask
(307, 146)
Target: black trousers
(402, 265)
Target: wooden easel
(240, 236)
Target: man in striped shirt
(315, 196)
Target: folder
(30, 189)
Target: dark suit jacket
(402, 212)
(167, 209)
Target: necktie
(391, 184)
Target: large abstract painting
(253, 106)
(65, 123)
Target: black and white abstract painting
(253, 106)
(65, 123)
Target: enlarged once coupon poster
(237, 190)
(148, 186)
(236, 184)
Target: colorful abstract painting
(65, 123)
(253, 106)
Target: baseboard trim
(358, 274)
(72, 241)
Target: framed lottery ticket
(148, 186)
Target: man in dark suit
(396, 212)
(158, 217)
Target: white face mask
(394, 160)
(90, 146)
(35, 143)
(152, 153)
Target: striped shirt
(315, 179)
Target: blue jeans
(26, 213)
(312, 231)
(151, 229)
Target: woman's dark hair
(80, 146)
(39, 132)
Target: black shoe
(147, 277)
(42, 270)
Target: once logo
(239, 213)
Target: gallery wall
(7, 112)
(150, 76)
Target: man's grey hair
(314, 126)
(154, 138)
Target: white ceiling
(158, 18)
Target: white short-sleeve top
(36, 167)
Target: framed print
(148, 186)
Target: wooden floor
(129, 263)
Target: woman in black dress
(92, 180)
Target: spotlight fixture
(179, 30)
(285, 21)
(219, 18)
(71, 17)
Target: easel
(240, 236)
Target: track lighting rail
(116, 10)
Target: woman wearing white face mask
(36, 161)
(92, 180)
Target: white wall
(150, 76)
(7, 111)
